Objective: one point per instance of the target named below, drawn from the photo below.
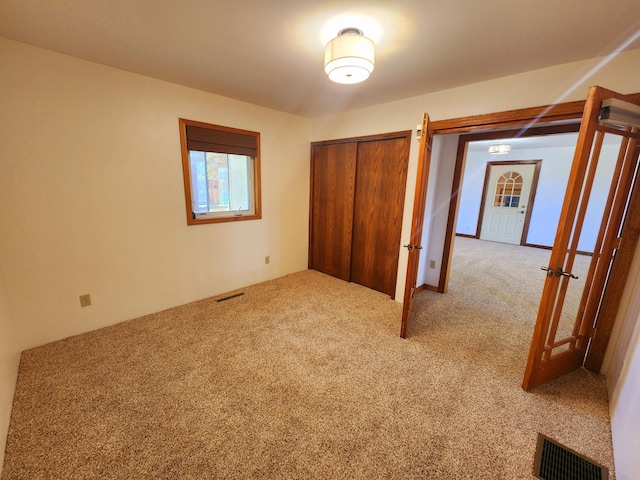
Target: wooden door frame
(530, 201)
(523, 120)
(461, 157)
(543, 364)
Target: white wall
(92, 199)
(471, 193)
(437, 207)
(427, 250)
(552, 184)
(554, 174)
(622, 368)
(625, 413)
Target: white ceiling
(270, 53)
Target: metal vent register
(555, 462)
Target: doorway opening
(576, 205)
(496, 286)
(507, 201)
(466, 214)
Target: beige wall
(92, 200)
(9, 359)
(92, 192)
(92, 195)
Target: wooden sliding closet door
(377, 219)
(357, 200)
(333, 171)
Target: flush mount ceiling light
(499, 149)
(349, 57)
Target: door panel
(616, 281)
(381, 177)
(566, 321)
(508, 189)
(332, 193)
(415, 240)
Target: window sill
(200, 220)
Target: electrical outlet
(432, 264)
(85, 300)
(266, 260)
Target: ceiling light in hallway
(500, 149)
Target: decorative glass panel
(508, 190)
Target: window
(508, 190)
(221, 167)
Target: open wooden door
(572, 302)
(419, 200)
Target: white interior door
(506, 201)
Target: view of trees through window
(219, 182)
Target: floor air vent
(555, 462)
(230, 297)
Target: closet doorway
(357, 198)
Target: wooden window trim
(226, 132)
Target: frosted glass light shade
(499, 149)
(350, 57)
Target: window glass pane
(239, 181)
(220, 182)
(199, 189)
(508, 190)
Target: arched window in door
(508, 190)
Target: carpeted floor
(302, 377)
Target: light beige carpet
(302, 377)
